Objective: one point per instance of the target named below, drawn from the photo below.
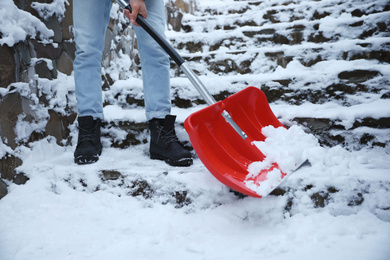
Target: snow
(4, 149)
(67, 211)
(51, 218)
(45, 10)
(16, 25)
(288, 148)
(263, 187)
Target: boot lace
(87, 135)
(167, 136)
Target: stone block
(23, 52)
(67, 22)
(26, 6)
(185, 6)
(11, 106)
(42, 70)
(3, 189)
(58, 126)
(48, 51)
(20, 179)
(8, 165)
(110, 37)
(174, 18)
(111, 175)
(70, 48)
(358, 76)
(65, 63)
(54, 24)
(7, 66)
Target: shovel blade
(221, 149)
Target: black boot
(89, 146)
(164, 144)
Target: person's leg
(164, 144)
(155, 64)
(90, 18)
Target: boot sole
(86, 159)
(184, 162)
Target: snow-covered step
(322, 31)
(333, 124)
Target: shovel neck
(198, 84)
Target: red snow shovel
(222, 133)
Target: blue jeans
(90, 18)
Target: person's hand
(138, 7)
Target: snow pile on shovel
(288, 148)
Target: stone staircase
(330, 53)
(245, 43)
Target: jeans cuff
(95, 115)
(157, 114)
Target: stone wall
(24, 60)
(30, 60)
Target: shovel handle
(181, 63)
(154, 34)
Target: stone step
(267, 59)
(236, 7)
(125, 133)
(260, 13)
(350, 85)
(364, 132)
(254, 40)
(281, 34)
